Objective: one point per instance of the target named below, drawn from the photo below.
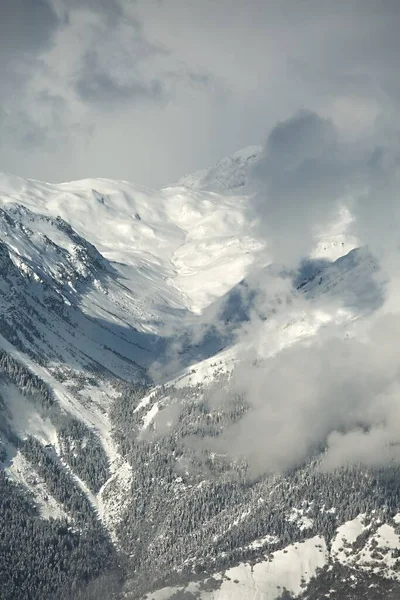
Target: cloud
(180, 84)
(377, 446)
(115, 82)
(301, 182)
(310, 370)
(100, 87)
(26, 27)
(27, 32)
(115, 68)
(309, 171)
(332, 394)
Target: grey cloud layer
(27, 29)
(26, 26)
(301, 178)
(97, 86)
(224, 74)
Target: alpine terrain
(133, 324)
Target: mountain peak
(230, 174)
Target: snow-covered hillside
(104, 284)
(289, 570)
(164, 245)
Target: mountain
(229, 175)
(122, 312)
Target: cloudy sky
(149, 90)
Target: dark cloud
(305, 136)
(301, 178)
(27, 31)
(26, 27)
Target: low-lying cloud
(329, 394)
(321, 372)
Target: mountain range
(125, 313)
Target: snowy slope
(161, 244)
(288, 569)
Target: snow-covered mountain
(229, 175)
(105, 286)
